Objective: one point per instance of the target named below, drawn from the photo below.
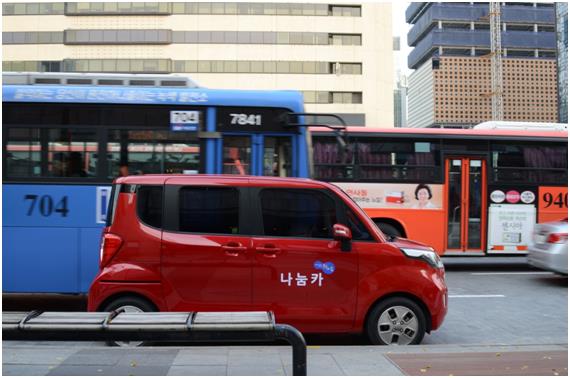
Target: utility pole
(496, 61)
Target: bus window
(70, 153)
(237, 155)
(379, 159)
(152, 151)
(23, 153)
(331, 162)
(277, 156)
(546, 164)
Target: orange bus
(461, 191)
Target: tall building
(451, 82)
(401, 102)
(333, 52)
(562, 45)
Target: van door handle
(233, 249)
(268, 250)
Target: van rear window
(149, 205)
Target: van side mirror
(341, 232)
(344, 235)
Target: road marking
(500, 273)
(477, 296)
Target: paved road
(504, 319)
(506, 304)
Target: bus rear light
(110, 244)
(556, 238)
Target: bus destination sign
(184, 120)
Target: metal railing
(217, 327)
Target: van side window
(209, 210)
(358, 229)
(149, 205)
(297, 212)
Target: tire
(129, 304)
(396, 321)
(388, 229)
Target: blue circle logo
(328, 268)
(318, 265)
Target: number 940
(560, 200)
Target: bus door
(258, 155)
(466, 208)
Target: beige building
(339, 55)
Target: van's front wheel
(398, 321)
(133, 305)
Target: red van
(300, 248)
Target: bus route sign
(184, 120)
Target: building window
(16, 38)
(345, 10)
(325, 97)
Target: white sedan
(549, 250)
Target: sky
(400, 28)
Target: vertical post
(496, 62)
(297, 341)
(212, 162)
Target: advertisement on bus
(395, 196)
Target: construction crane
(496, 62)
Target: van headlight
(430, 257)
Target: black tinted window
(301, 213)
(359, 231)
(209, 210)
(520, 162)
(149, 205)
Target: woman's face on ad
(423, 196)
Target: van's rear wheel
(129, 304)
(397, 321)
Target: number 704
(44, 205)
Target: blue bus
(67, 136)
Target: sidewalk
(89, 358)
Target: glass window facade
(233, 37)
(129, 8)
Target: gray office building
(451, 82)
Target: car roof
(238, 180)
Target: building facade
(451, 82)
(334, 53)
(401, 102)
(562, 46)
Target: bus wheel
(129, 304)
(398, 321)
(388, 229)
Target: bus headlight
(430, 257)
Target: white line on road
(478, 296)
(500, 273)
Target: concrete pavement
(90, 358)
